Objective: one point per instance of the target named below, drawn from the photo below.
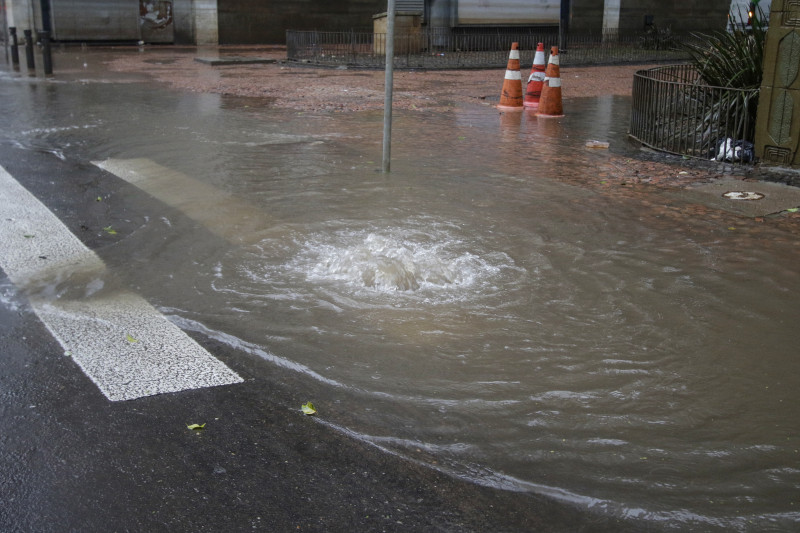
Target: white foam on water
(415, 257)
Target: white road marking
(124, 345)
(235, 220)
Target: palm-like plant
(729, 60)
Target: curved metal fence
(442, 48)
(673, 110)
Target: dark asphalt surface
(70, 460)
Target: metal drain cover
(766, 197)
(743, 195)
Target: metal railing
(673, 110)
(441, 48)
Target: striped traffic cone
(533, 91)
(550, 102)
(511, 97)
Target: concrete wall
(183, 21)
(679, 15)
(266, 21)
(407, 32)
(586, 16)
(611, 14)
(206, 22)
(629, 15)
(18, 15)
(778, 123)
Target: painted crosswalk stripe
(233, 219)
(124, 345)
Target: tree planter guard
(674, 111)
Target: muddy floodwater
(476, 309)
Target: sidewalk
(304, 88)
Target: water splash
(404, 259)
(387, 264)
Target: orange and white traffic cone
(550, 102)
(533, 91)
(511, 97)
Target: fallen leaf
(29, 236)
(99, 198)
(110, 230)
(196, 427)
(793, 209)
(130, 338)
(308, 408)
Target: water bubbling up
(403, 259)
(386, 264)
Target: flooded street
(475, 310)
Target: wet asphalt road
(70, 460)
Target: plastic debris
(734, 151)
(597, 144)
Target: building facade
(266, 21)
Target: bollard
(14, 46)
(29, 49)
(47, 56)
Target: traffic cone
(511, 97)
(550, 102)
(533, 91)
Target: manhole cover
(743, 195)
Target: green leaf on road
(110, 230)
(29, 236)
(308, 408)
(131, 339)
(196, 427)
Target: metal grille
(674, 111)
(410, 5)
(441, 48)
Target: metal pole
(29, 48)
(14, 46)
(387, 100)
(47, 56)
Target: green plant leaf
(196, 427)
(793, 209)
(130, 338)
(308, 408)
(110, 230)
